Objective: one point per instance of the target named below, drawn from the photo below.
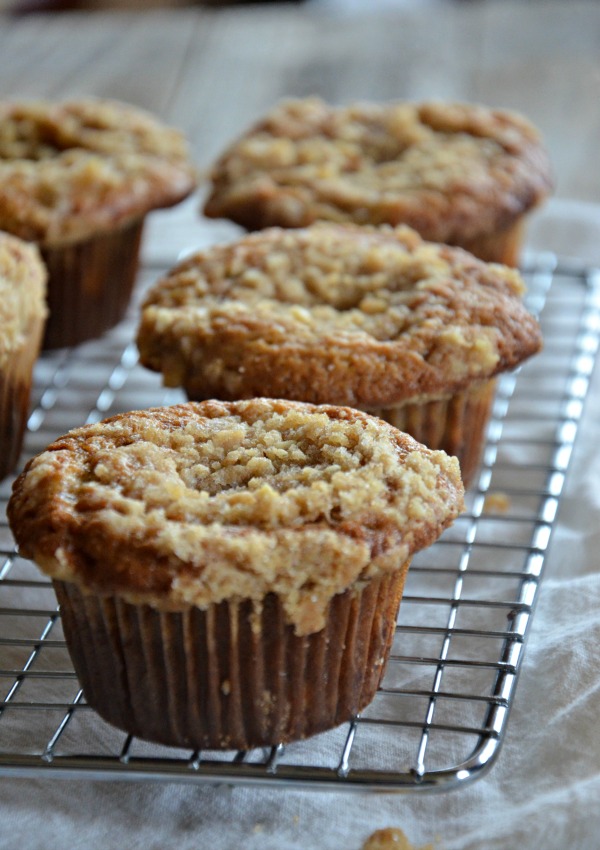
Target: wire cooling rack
(440, 716)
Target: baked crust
(198, 503)
(22, 293)
(71, 169)
(453, 171)
(340, 314)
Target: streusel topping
(339, 313)
(198, 503)
(452, 171)
(78, 167)
(22, 292)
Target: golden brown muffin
(374, 318)
(22, 317)
(457, 173)
(229, 573)
(77, 178)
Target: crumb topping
(334, 313)
(198, 503)
(22, 292)
(69, 169)
(452, 171)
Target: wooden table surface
(212, 71)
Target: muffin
(78, 178)
(22, 317)
(372, 318)
(457, 173)
(229, 573)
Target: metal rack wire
(440, 716)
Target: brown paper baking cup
(234, 676)
(15, 389)
(456, 424)
(504, 246)
(90, 284)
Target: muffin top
(340, 314)
(22, 292)
(71, 169)
(197, 503)
(452, 171)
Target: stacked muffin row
(76, 182)
(229, 570)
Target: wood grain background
(212, 71)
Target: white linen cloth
(543, 791)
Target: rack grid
(441, 713)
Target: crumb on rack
(496, 503)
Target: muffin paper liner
(15, 389)
(90, 284)
(503, 246)
(234, 676)
(456, 424)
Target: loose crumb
(391, 838)
(496, 503)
